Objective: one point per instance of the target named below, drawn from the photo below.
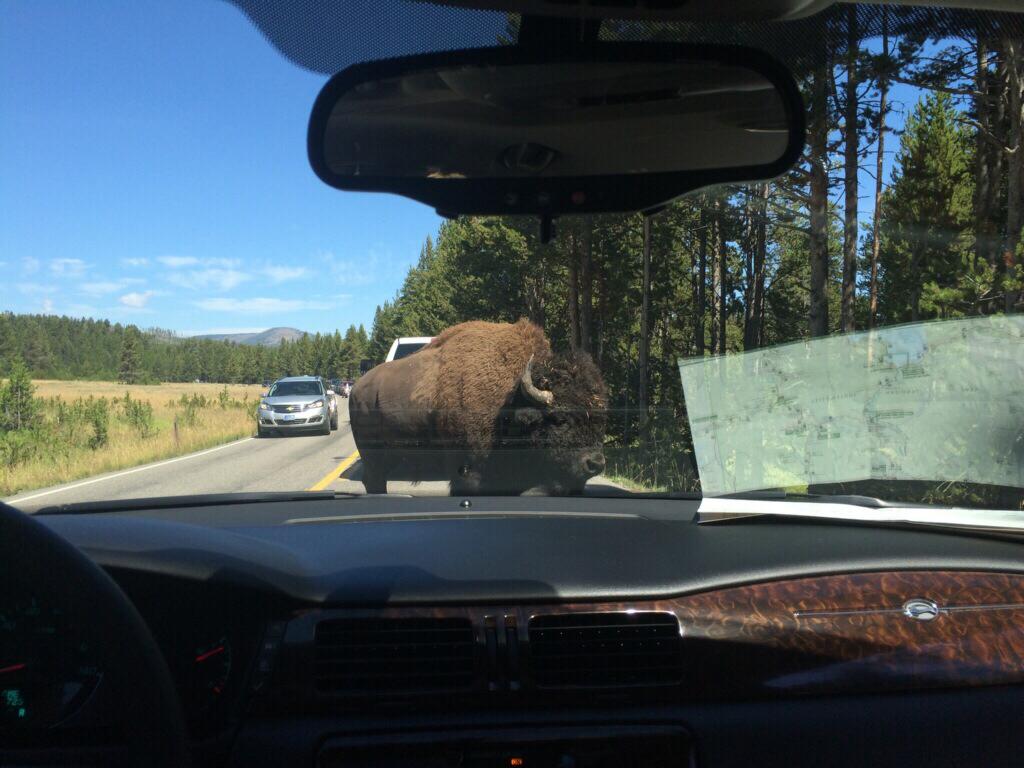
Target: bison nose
(593, 464)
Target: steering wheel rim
(150, 716)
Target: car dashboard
(547, 632)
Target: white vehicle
(405, 346)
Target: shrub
(138, 415)
(99, 419)
(17, 448)
(19, 408)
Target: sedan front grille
(295, 408)
(290, 422)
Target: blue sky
(154, 171)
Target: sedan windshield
(285, 388)
(852, 326)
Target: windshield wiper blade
(719, 509)
(195, 500)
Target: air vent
(605, 650)
(394, 656)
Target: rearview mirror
(531, 130)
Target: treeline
(743, 267)
(53, 347)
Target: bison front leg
(465, 477)
(375, 476)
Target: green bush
(19, 408)
(138, 415)
(18, 447)
(98, 412)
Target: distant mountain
(268, 338)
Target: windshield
(404, 350)
(851, 326)
(284, 388)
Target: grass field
(62, 449)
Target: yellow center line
(333, 475)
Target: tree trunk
(1014, 80)
(645, 317)
(915, 283)
(717, 289)
(723, 269)
(753, 330)
(701, 307)
(587, 286)
(851, 139)
(876, 235)
(983, 159)
(602, 315)
(817, 313)
(573, 297)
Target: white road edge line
(131, 471)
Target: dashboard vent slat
(360, 656)
(605, 650)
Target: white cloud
(140, 262)
(280, 274)
(137, 299)
(36, 289)
(208, 279)
(176, 262)
(29, 265)
(225, 263)
(47, 306)
(105, 287)
(100, 288)
(350, 271)
(260, 304)
(67, 267)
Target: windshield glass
(851, 326)
(283, 388)
(404, 350)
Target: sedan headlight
(265, 406)
(317, 404)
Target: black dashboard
(422, 632)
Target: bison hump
(479, 368)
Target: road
(292, 463)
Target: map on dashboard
(941, 401)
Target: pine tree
(18, 406)
(129, 371)
(926, 237)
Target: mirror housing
(544, 130)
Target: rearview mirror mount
(547, 130)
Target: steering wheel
(150, 714)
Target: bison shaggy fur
(487, 406)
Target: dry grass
(214, 426)
(157, 394)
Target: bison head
(558, 413)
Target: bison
(489, 407)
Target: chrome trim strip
(900, 611)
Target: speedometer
(211, 669)
(47, 669)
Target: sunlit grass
(125, 448)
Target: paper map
(929, 401)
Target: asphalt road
(291, 463)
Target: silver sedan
(297, 404)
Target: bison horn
(539, 396)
